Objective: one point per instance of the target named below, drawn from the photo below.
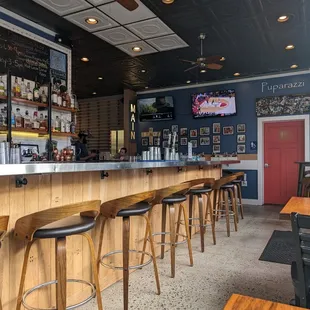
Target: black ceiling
(245, 32)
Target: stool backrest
(305, 187)
(170, 190)
(26, 226)
(224, 180)
(238, 174)
(109, 209)
(4, 221)
(204, 181)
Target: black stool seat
(174, 198)
(136, 209)
(66, 227)
(227, 186)
(200, 190)
(237, 181)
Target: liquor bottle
(23, 89)
(41, 122)
(54, 96)
(2, 87)
(27, 120)
(73, 100)
(16, 88)
(1, 119)
(43, 97)
(62, 124)
(5, 116)
(68, 126)
(59, 99)
(36, 93)
(29, 92)
(13, 122)
(53, 125)
(35, 122)
(72, 127)
(57, 124)
(19, 120)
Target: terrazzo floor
(231, 266)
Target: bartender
(122, 154)
(81, 150)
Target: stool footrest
(195, 219)
(85, 301)
(168, 233)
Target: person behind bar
(81, 149)
(122, 154)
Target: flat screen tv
(214, 103)
(156, 109)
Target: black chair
(300, 269)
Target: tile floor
(232, 266)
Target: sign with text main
(132, 121)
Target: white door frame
(260, 145)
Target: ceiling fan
(130, 5)
(203, 63)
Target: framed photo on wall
(241, 128)
(205, 141)
(241, 139)
(145, 141)
(157, 141)
(204, 131)
(175, 128)
(216, 128)
(216, 148)
(183, 141)
(216, 139)
(241, 148)
(193, 133)
(228, 130)
(183, 132)
(194, 143)
(27, 150)
(166, 133)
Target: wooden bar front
(52, 190)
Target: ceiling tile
(146, 48)
(63, 7)
(150, 28)
(104, 22)
(99, 2)
(166, 43)
(123, 16)
(118, 35)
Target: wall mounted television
(214, 103)
(156, 109)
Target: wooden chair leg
(240, 200)
(61, 274)
(189, 243)
(178, 226)
(234, 208)
(201, 224)
(209, 210)
(100, 243)
(235, 193)
(148, 219)
(23, 276)
(94, 269)
(225, 193)
(215, 204)
(172, 237)
(163, 229)
(190, 213)
(126, 236)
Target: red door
(284, 144)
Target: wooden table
(240, 302)
(295, 204)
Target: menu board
(24, 57)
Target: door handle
(267, 165)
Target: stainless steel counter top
(46, 168)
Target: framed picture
(183, 141)
(241, 128)
(157, 141)
(216, 128)
(166, 133)
(145, 141)
(27, 150)
(194, 143)
(228, 130)
(165, 144)
(241, 139)
(253, 145)
(183, 132)
(241, 148)
(205, 141)
(204, 131)
(193, 133)
(175, 128)
(216, 148)
(216, 139)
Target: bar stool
(238, 194)
(168, 197)
(4, 220)
(59, 223)
(223, 191)
(126, 207)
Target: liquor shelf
(26, 130)
(64, 134)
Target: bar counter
(56, 184)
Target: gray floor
(232, 266)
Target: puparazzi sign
(266, 87)
(132, 121)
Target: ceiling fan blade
(214, 66)
(213, 59)
(130, 5)
(191, 68)
(190, 61)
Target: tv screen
(214, 103)
(156, 109)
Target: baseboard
(252, 202)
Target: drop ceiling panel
(150, 28)
(63, 7)
(167, 43)
(123, 16)
(104, 22)
(146, 48)
(116, 36)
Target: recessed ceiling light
(294, 66)
(188, 82)
(236, 74)
(100, 78)
(91, 21)
(283, 18)
(223, 58)
(203, 71)
(146, 87)
(85, 59)
(289, 47)
(137, 49)
(143, 71)
(94, 93)
(167, 1)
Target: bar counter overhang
(55, 184)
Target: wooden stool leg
(149, 229)
(61, 274)
(234, 207)
(235, 193)
(225, 193)
(163, 229)
(23, 276)
(172, 237)
(189, 243)
(240, 200)
(100, 243)
(178, 226)
(94, 269)
(201, 224)
(126, 236)
(209, 210)
(190, 213)
(148, 219)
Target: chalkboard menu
(24, 57)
